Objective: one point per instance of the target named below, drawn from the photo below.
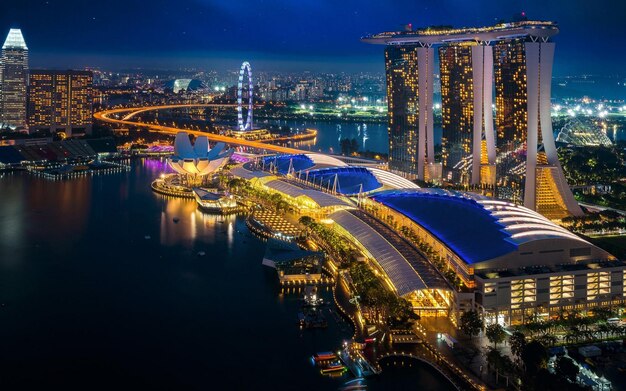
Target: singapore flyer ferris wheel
(240, 90)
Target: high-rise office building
(409, 71)
(60, 101)
(13, 80)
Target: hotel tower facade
(514, 160)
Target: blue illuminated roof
(350, 180)
(282, 162)
(461, 222)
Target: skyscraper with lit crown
(13, 80)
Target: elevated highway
(127, 115)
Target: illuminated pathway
(130, 112)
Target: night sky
(288, 34)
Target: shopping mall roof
(406, 276)
(320, 198)
(284, 164)
(246, 171)
(476, 228)
(391, 180)
(344, 180)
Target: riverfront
(100, 288)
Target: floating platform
(215, 201)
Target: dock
(357, 364)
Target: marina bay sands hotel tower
(518, 156)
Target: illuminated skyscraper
(13, 80)
(409, 70)
(468, 149)
(510, 82)
(402, 101)
(60, 101)
(457, 111)
(545, 188)
(528, 166)
(511, 117)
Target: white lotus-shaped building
(197, 160)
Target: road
(104, 116)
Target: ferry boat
(337, 367)
(324, 356)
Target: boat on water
(324, 356)
(354, 387)
(336, 367)
(311, 297)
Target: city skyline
(216, 34)
(314, 195)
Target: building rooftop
(288, 163)
(246, 171)
(476, 228)
(402, 264)
(15, 40)
(545, 269)
(321, 199)
(447, 34)
(344, 180)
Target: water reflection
(71, 200)
(12, 211)
(182, 223)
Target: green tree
(517, 342)
(471, 323)
(501, 363)
(535, 357)
(565, 367)
(495, 334)
(306, 221)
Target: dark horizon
(278, 35)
